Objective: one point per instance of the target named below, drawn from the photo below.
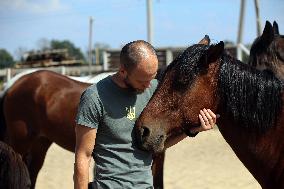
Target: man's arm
(85, 142)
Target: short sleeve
(89, 110)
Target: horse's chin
(157, 148)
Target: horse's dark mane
(186, 66)
(253, 98)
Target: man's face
(139, 78)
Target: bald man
(105, 120)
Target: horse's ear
(275, 28)
(214, 52)
(205, 40)
(268, 34)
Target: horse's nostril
(145, 132)
(160, 138)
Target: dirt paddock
(203, 162)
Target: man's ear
(122, 71)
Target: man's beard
(131, 88)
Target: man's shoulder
(94, 87)
(90, 91)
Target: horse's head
(267, 51)
(175, 106)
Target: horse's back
(42, 89)
(43, 104)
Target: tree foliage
(6, 59)
(65, 44)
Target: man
(105, 121)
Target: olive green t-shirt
(113, 111)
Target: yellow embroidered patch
(130, 113)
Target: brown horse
(13, 171)
(267, 51)
(39, 109)
(248, 100)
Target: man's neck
(117, 79)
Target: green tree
(65, 44)
(6, 60)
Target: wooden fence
(110, 62)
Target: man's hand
(207, 119)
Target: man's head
(138, 65)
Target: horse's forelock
(186, 66)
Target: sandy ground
(203, 162)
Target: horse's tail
(13, 171)
(2, 117)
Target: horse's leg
(158, 170)
(35, 157)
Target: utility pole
(149, 22)
(258, 21)
(90, 45)
(240, 32)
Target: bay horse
(267, 50)
(38, 109)
(13, 171)
(248, 100)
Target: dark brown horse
(267, 51)
(248, 100)
(13, 171)
(39, 109)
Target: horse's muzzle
(150, 139)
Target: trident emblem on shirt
(130, 113)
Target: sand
(203, 162)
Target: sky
(25, 24)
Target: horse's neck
(254, 151)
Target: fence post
(63, 70)
(8, 74)
(105, 60)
